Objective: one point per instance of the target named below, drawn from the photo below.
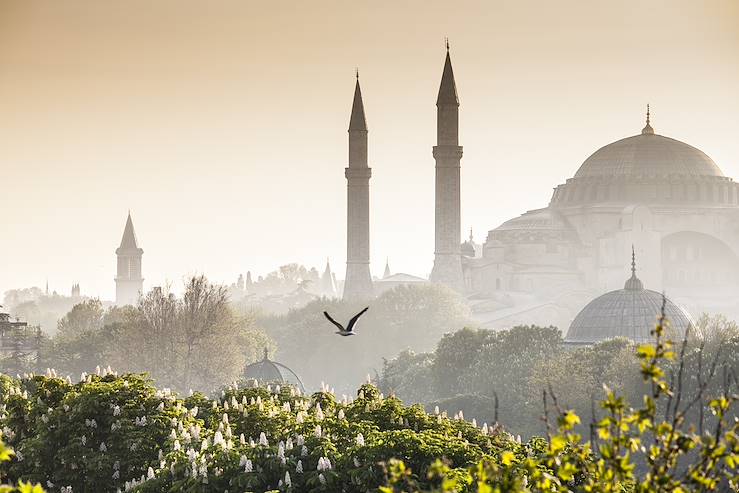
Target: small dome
(631, 312)
(268, 371)
(648, 154)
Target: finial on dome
(647, 130)
(471, 235)
(266, 353)
(633, 283)
(446, 41)
(356, 72)
(633, 261)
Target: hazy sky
(222, 124)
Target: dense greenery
(108, 432)
(499, 375)
(193, 342)
(645, 449)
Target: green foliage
(514, 365)
(91, 435)
(108, 432)
(192, 342)
(6, 454)
(632, 449)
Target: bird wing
(337, 324)
(354, 319)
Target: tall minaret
(129, 284)
(447, 153)
(358, 283)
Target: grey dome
(268, 371)
(648, 154)
(631, 312)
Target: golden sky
(222, 124)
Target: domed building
(631, 312)
(267, 371)
(666, 197)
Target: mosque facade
(666, 198)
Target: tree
(456, 353)
(84, 317)
(409, 376)
(193, 342)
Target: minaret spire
(358, 281)
(447, 153)
(357, 121)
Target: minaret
(387, 273)
(129, 284)
(447, 153)
(328, 288)
(358, 282)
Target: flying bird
(349, 330)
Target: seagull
(349, 331)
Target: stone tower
(129, 284)
(447, 153)
(358, 282)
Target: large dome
(631, 312)
(648, 154)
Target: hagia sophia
(666, 199)
(663, 198)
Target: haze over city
(222, 126)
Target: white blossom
(248, 467)
(323, 464)
(322, 478)
(218, 439)
(103, 447)
(360, 440)
(317, 432)
(150, 473)
(299, 467)
(263, 440)
(288, 482)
